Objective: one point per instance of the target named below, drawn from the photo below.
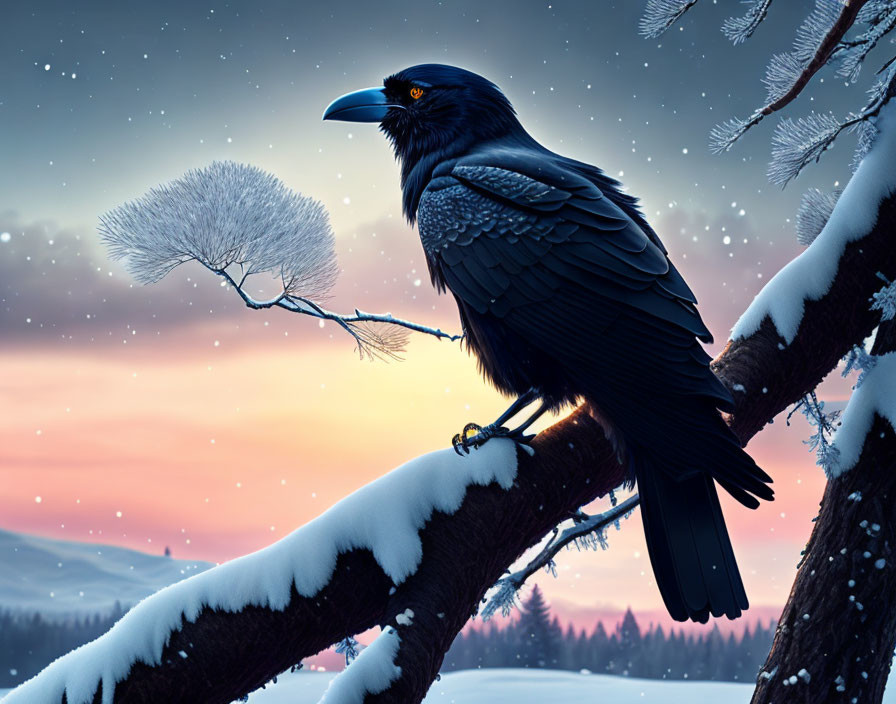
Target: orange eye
(416, 92)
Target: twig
(584, 527)
(298, 304)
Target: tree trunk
(834, 642)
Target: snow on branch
(787, 74)
(370, 673)
(739, 29)
(659, 15)
(385, 517)
(875, 396)
(239, 221)
(810, 275)
(587, 532)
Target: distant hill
(60, 577)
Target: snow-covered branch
(370, 673)
(876, 396)
(855, 217)
(239, 222)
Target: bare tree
(224, 633)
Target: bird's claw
(474, 435)
(464, 440)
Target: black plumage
(563, 287)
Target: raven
(566, 293)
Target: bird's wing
(513, 231)
(542, 262)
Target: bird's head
(430, 110)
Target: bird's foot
(474, 435)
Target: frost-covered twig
(739, 29)
(796, 143)
(348, 647)
(371, 341)
(233, 217)
(825, 425)
(885, 299)
(814, 212)
(588, 532)
(659, 15)
(858, 360)
(788, 74)
(881, 18)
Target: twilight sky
(170, 415)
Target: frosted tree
(432, 542)
(243, 224)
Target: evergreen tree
(629, 649)
(538, 642)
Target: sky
(171, 415)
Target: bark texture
(230, 654)
(834, 642)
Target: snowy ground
(58, 577)
(500, 686)
(505, 686)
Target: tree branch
(827, 46)
(724, 136)
(587, 530)
(367, 343)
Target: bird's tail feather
(688, 543)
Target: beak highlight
(368, 105)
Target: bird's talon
(471, 430)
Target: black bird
(566, 293)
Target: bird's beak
(368, 105)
